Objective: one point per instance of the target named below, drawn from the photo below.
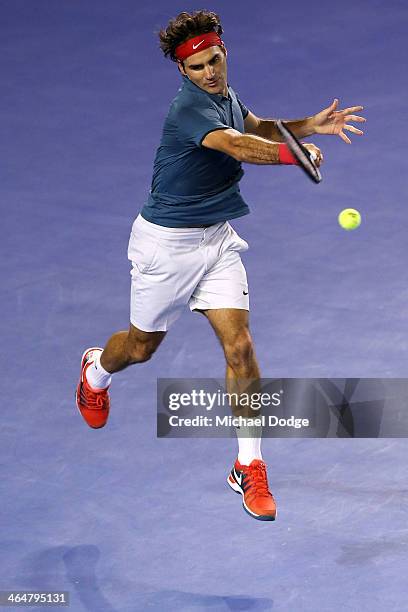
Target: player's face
(208, 70)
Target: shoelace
(94, 401)
(257, 480)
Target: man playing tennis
(182, 248)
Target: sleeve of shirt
(243, 108)
(195, 122)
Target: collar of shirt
(193, 87)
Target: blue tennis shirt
(193, 185)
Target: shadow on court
(75, 569)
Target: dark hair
(186, 26)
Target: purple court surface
(128, 522)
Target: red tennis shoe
(92, 404)
(251, 482)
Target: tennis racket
(306, 160)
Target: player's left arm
(328, 121)
(266, 128)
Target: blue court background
(120, 519)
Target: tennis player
(183, 249)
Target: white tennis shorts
(175, 267)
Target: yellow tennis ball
(349, 219)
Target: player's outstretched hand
(333, 121)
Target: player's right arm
(246, 147)
(243, 147)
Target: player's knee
(240, 351)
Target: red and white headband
(197, 44)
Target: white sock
(96, 375)
(249, 443)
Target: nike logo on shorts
(245, 292)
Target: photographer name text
(231, 421)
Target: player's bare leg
(232, 328)
(248, 476)
(128, 347)
(122, 350)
